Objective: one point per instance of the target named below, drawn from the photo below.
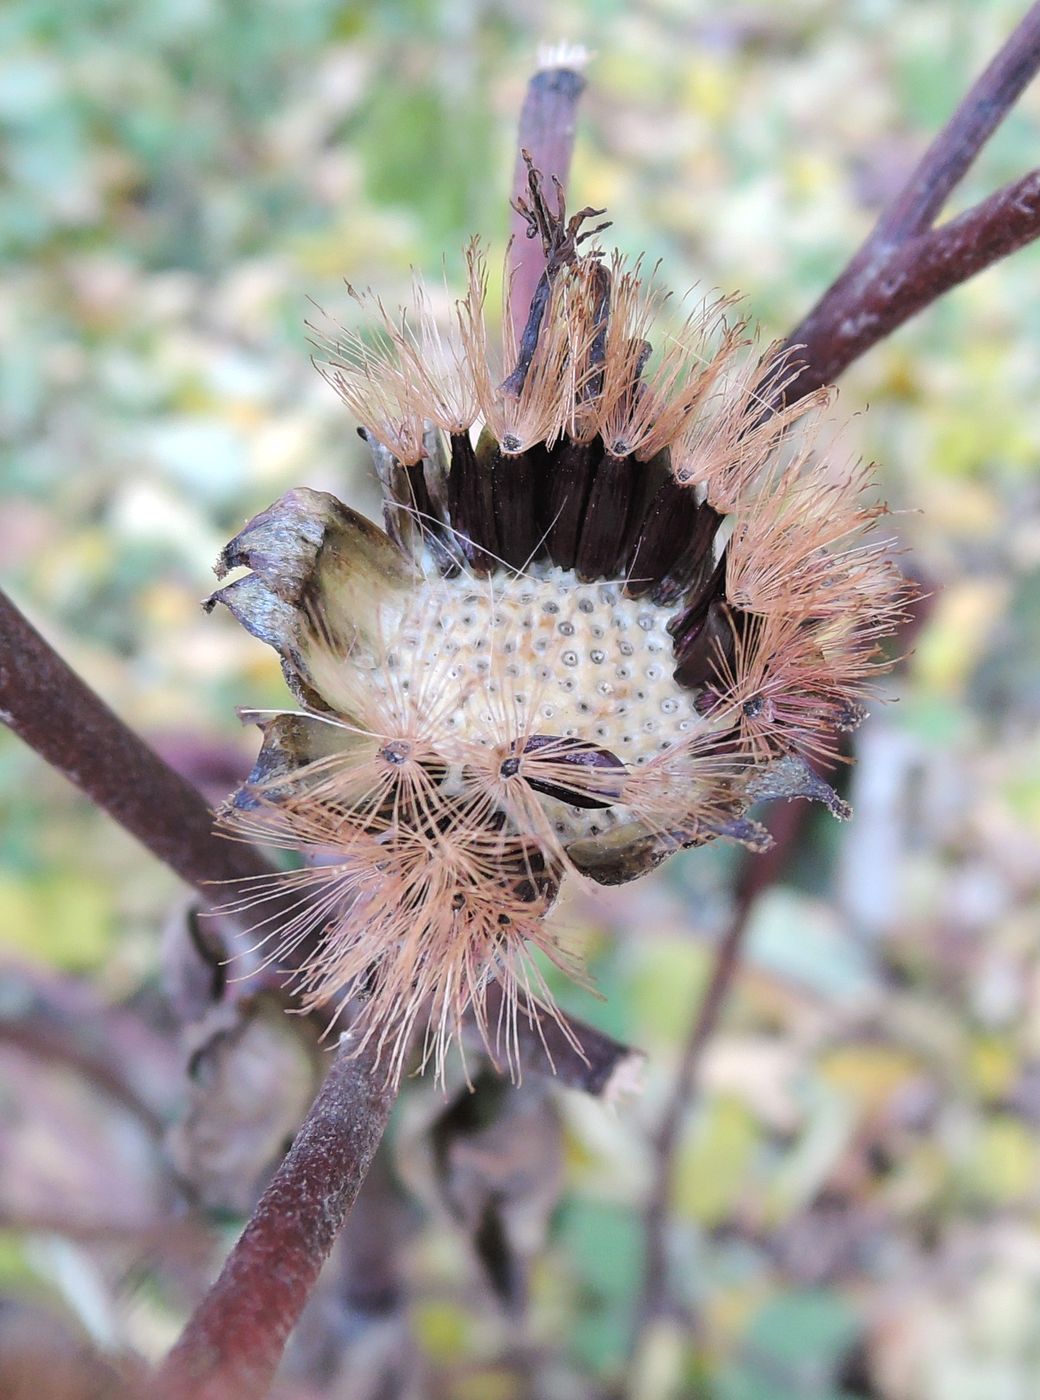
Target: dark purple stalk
(233, 1344)
(57, 714)
(951, 154)
(546, 132)
(905, 264)
(863, 308)
(757, 873)
(231, 1347)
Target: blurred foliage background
(857, 1213)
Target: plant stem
(757, 873)
(546, 132)
(45, 703)
(862, 309)
(951, 154)
(233, 1343)
(905, 263)
(57, 714)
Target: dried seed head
(696, 598)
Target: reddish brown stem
(857, 313)
(947, 160)
(905, 264)
(546, 132)
(757, 873)
(57, 714)
(233, 1343)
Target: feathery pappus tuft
(621, 596)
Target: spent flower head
(620, 596)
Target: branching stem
(906, 263)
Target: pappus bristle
(727, 446)
(800, 545)
(648, 394)
(367, 373)
(518, 415)
(687, 792)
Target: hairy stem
(233, 1343)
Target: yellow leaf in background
(84, 558)
(713, 1165)
(244, 413)
(1004, 1160)
(868, 1073)
(166, 605)
(349, 244)
(709, 89)
(627, 74)
(964, 619)
(992, 1066)
(65, 920)
(488, 1385)
(193, 395)
(665, 987)
(657, 1369)
(810, 175)
(15, 1269)
(1021, 789)
(442, 1328)
(964, 508)
(601, 179)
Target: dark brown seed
(471, 505)
(569, 475)
(711, 648)
(667, 527)
(694, 562)
(685, 624)
(528, 876)
(607, 513)
(570, 752)
(650, 478)
(430, 521)
(517, 488)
